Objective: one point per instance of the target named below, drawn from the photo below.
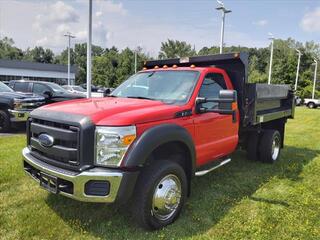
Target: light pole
(315, 78)
(271, 57)
(135, 60)
(89, 50)
(224, 11)
(298, 67)
(69, 36)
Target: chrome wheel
(275, 148)
(166, 197)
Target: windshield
(78, 88)
(56, 87)
(5, 88)
(168, 86)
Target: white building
(15, 70)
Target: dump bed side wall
(267, 102)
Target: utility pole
(135, 60)
(271, 57)
(69, 36)
(315, 78)
(224, 11)
(298, 67)
(89, 41)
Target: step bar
(204, 172)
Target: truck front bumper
(18, 115)
(111, 185)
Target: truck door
(216, 135)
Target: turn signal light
(127, 140)
(234, 106)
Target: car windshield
(174, 87)
(56, 88)
(78, 88)
(5, 88)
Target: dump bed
(258, 103)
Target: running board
(204, 172)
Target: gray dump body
(265, 103)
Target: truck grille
(66, 145)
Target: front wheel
(160, 194)
(4, 121)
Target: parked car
(298, 100)
(15, 107)
(75, 89)
(93, 87)
(145, 144)
(311, 102)
(52, 92)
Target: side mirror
(226, 101)
(47, 94)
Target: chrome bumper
(77, 179)
(19, 115)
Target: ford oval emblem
(46, 140)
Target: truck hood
(117, 111)
(22, 96)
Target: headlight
(112, 143)
(17, 104)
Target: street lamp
(69, 36)
(315, 78)
(135, 60)
(271, 37)
(89, 50)
(224, 11)
(298, 67)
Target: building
(15, 70)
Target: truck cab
(15, 107)
(172, 121)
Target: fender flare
(154, 137)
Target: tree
(39, 54)
(8, 51)
(176, 49)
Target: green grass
(243, 200)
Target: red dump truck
(174, 120)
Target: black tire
(311, 105)
(270, 146)
(4, 122)
(253, 146)
(147, 185)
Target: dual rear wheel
(264, 146)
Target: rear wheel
(4, 121)
(252, 146)
(311, 105)
(270, 146)
(160, 194)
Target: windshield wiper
(112, 96)
(139, 97)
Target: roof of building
(17, 64)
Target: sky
(146, 23)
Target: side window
(212, 84)
(39, 88)
(21, 86)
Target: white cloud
(311, 21)
(110, 6)
(261, 23)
